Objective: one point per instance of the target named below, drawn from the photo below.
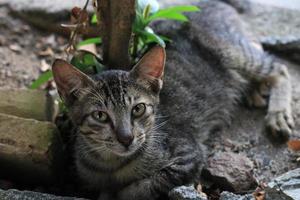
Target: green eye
(139, 110)
(100, 116)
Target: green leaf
(94, 19)
(98, 65)
(166, 39)
(182, 8)
(174, 12)
(43, 78)
(85, 60)
(95, 40)
(152, 37)
(174, 16)
(146, 11)
(139, 22)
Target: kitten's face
(115, 111)
(116, 114)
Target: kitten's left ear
(149, 70)
(69, 80)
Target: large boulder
(186, 193)
(35, 104)
(231, 196)
(29, 195)
(31, 151)
(230, 171)
(286, 186)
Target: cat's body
(137, 148)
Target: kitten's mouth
(123, 151)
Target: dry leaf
(44, 66)
(89, 48)
(199, 188)
(259, 195)
(79, 15)
(294, 145)
(47, 52)
(15, 47)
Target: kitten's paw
(256, 100)
(280, 124)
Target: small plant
(147, 11)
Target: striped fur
(205, 76)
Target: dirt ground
(25, 52)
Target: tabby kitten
(136, 139)
(119, 148)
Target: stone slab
(29, 195)
(30, 150)
(186, 193)
(35, 104)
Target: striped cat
(139, 133)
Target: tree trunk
(115, 19)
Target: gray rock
(31, 151)
(48, 6)
(272, 21)
(34, 104)
(274, 194)
(276, 24)
(231, 196)
(290, 4)
(229, 171)
(286, 185)
(28, 195)
(186, 193)
(47, 15)
(288, 46)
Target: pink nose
(125, 137)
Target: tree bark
(116, 18)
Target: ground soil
(21, 47)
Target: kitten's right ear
(69, 80)
(149, 70)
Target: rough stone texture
(273, 194)
(58, 6)
(272, 20)
(287, 185)
(277, 25)
(30, 150)
(291, 4)
(229, 171)
(186, 193)
(284, 187)
(28, 195)
(231, 196)
(19, 68)
(50, 6)
(12, 73)
(35, 104)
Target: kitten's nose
(125, 137)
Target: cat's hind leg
(279, 117)
(273, 89)
(219, 30)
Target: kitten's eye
(139, 110)
(100, 116)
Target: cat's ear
(149, 70)
(69, 80)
